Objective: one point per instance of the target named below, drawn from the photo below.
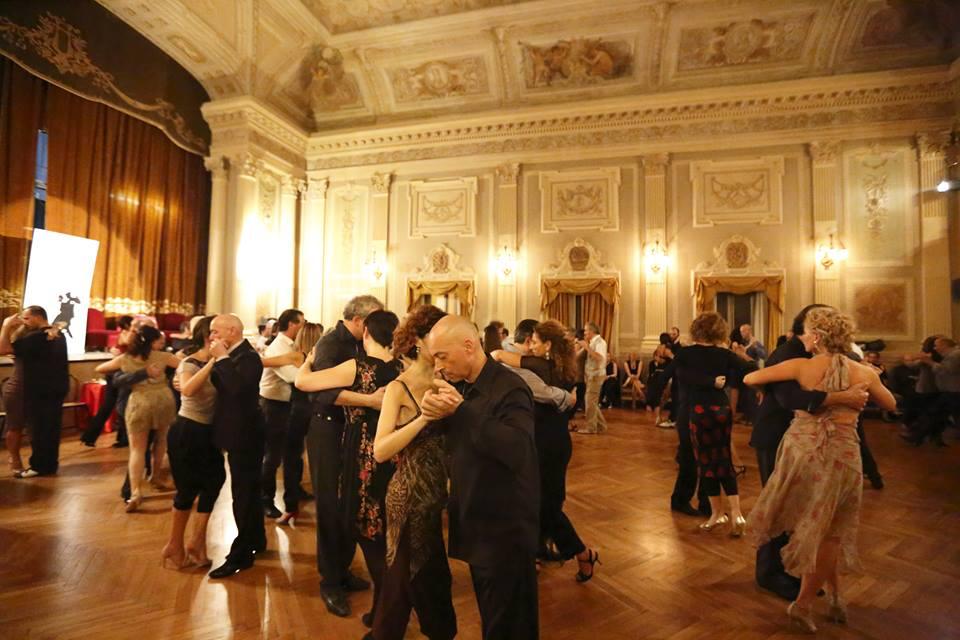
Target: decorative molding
(217, 166)
(380, 181)
(655, 164)
(508, 173)
(443, 263)
(443, 207)
(268, 199)
(882, 307)
(248, 165)
(439, 80)
(576, 62)
(579, 259)
(738, 256)
(737, 191)
(933, 144)
(238, 123)
(580, 200)
(290, 186)
(824, 153)
(317, 188)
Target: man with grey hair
(595, 372)
(335, 547)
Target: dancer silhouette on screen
(65, 317)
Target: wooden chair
(73, 402)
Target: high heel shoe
(133, 503)
(740, 470)
(838, 609)
(195, 560)
(708, 526)
(593, 558)
(176, 563)
(289, 518)
(800, 618)
(739, 527)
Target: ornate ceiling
(337, 64)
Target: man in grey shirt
(945, 371)
(543, 393)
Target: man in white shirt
(275, 388)
(595, 371)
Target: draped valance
(462, 289)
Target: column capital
(317, 188)
(248, 164)
(824, 152)
(932, 145)
(290, 186)
(508, 172)
(217, 165)
(380, 181)
(655, 164)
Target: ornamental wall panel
(580, 200)
(882, 307)
(880, 209)
(441, 208)
(747, 191)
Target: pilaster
(826, 196)
(655, 230)
(934, 234)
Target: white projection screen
(59, 276)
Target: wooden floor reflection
(74, 565)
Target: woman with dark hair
(417, 575)
(702, 370)
(197, 464)
(656, 380)
(151, 406)
(493, 337)
(554, 361)
(363, 480)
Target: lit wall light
(374, 269)
(505, 264)
(948, 185)
(655, 257)
(831, 252)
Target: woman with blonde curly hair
(815, 491)
(702, 370)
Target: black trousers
(769, 565)
(107, 404)
(276, 414)
(507, 598)
(335, 548)
(297, 427)
(866, 456)
(581, 396)
(554, 449)
(428, 593)
(245, 469)
(196, 465)
(45, 415)
(685, 485)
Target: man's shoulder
(787, 351)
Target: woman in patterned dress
(417, 575)
(815, 491)
(363, 481)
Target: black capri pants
(196, 464)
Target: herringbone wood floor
(74, 565)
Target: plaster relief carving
(443, 207)
(580, 200)
(882, 308)
(579, 259)
(738, 256)
(440, 79)
(737, 191)
(875, 201)
(331, 87)
(744, 42)
(188, 49)
(443, 263)
(341, 16)
(577, 62)
(268, 199)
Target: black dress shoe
(367, 619)
(270, 511)
(87, 443)
(120, 445)
(685, 509)
(336, 601)
(876, 481)
(354, 583)
(230, 567)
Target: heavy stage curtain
(462, 289)
(601, 301)
(21, 112)
(121, 181)
(706, 289)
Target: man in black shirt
(43, 352)
(494, 504)
(335, 546)
(773, 418)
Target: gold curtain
(21, 113)
(463, 289)
(559, 309)
(597, 310)
(120, 181)
(706, 289)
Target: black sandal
(593, 557)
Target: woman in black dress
(702, 370)
(363, 481)
(554, 361)
(656, 380)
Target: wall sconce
(831, 252)
(655, 257)
(375, 269)
(506, 264)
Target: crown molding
(242, 122)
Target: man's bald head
(454, 343)
(227, 328)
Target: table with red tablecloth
(91, 394)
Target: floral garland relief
(60, 43)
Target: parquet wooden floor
(74, 565)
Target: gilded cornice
(244, 121)
(802, 106)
